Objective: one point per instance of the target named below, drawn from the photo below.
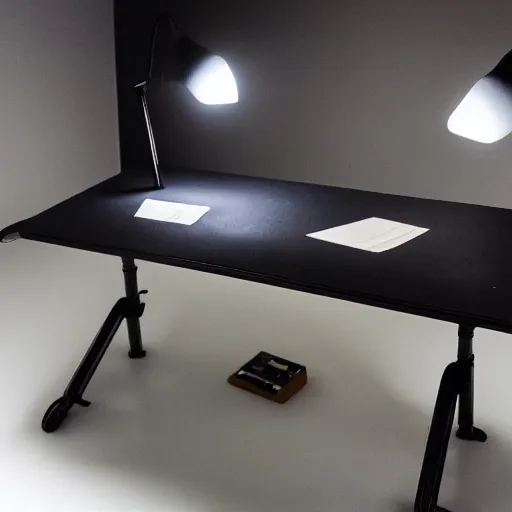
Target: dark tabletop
(460, 270)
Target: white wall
(58, 135)
(58, 121)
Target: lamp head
(206, 75)
(485, 113)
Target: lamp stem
(156, 166)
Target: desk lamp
(485, 113)
(207, 76)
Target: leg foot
(472, 434)
(55, 415)
(58, 411)
(137, 354)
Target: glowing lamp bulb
(485, 113)
(211, 82)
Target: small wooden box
(271, 377)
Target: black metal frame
(129, 308)
(457, 383)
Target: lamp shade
(485, 113)
(212, 82)
(206, 75)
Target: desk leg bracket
(128, 308)
(467, 431)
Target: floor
(169, 434)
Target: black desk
(459, 271)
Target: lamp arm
(143, 87)
(165, 17)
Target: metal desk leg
(129, 308)
(132, 322)
(438, 439)
(457, 381)
(467, 430)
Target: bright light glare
(212, 82)
(485, 114)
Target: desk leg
(467, 430)
(129, 308)
(457, 382)
(58, 411)
(133, 322)
(438, 439)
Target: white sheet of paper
(166, 211)
(374, 234)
